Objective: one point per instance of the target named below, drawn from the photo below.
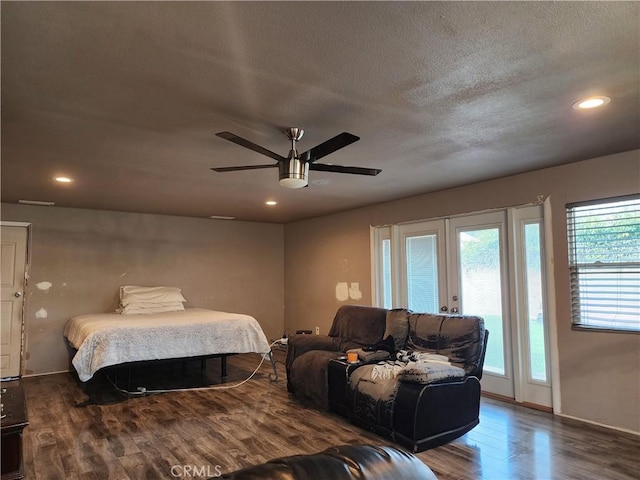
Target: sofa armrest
(299, 344)
(426, 416)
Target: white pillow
(146, 309)
(131, 294)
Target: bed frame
(128, 367)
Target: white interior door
(13, 259)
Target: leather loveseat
(420, 405)
(345, 462)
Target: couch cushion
(460, 338)
(397, 326)
(359, 325)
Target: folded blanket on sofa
(429, 372)
(419, 356)
(417, 367)
(386, 370)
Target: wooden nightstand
(14, 419)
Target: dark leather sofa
(362, 462)
(418, 415)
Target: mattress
(108, 339)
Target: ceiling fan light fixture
(294, 169)
(294, 173)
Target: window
(604, 263)
(422, 273)
(386, 273)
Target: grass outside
(494, 360)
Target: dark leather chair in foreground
(361, 462)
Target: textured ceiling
(125, 97)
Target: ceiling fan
(294, 169)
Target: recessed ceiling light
(63, 180)
(271, 203)
(222, 217)
(591, 102)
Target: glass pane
(481, 288)
(533, 278)
(422, 273)
(604, 263)
(386, 273)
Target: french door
(488, 264)
(479, 286)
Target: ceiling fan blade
(340, 169)
(250, 145)
(244, 167)
(330, 146)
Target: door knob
(454, 310)
(18, 294)
(444, 309)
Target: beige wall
(87, 254)
(599, 372)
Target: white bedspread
(110, 339)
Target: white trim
(47, 373)
(591, 422)
(513, 265)
(538, 201)
(551, 308)
(397, 298)
(4, 223)
(373, 247)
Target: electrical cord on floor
(143, 391)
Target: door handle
(454, 310)
(444, 309)
(17, 294)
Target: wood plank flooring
(224, 430)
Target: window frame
(574, 267)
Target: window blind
(422, 273)
(604, 263)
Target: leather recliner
(419, 415)
(345, 462)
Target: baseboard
(44, 374)
(502, 398)
(512, 401)
(598, 424)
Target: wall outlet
(317, 330)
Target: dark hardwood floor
(224, 430)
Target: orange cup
(352, 357)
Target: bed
(109, 339)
